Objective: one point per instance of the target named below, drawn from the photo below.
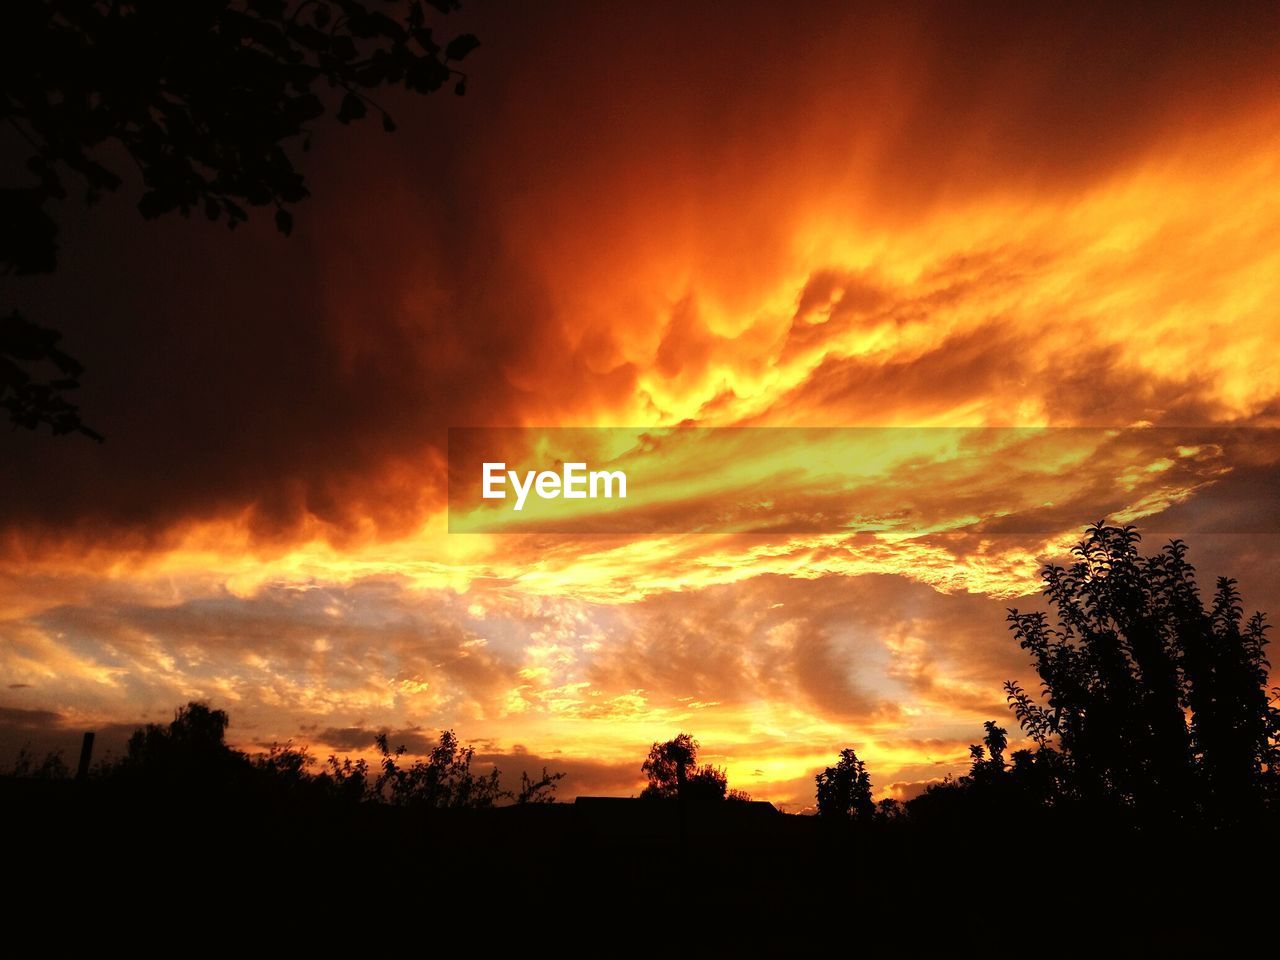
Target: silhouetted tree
(668, 766)
(203, 97)
(191, 750)
(844, 791)
(1153, 702)
(707, 782)
(673, 772)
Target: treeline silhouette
(1140, 810)
(190, 756)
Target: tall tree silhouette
(1153, 701)
(844, 791)
(203, 97)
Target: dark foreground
(193, 874)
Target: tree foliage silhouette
(203, 97)
(29, 398)
(542, 790)
(844, 791)
(190, 751)
(191, 754)
(673, 773)
(1153, 702)
(346, 779)
(988, 756)
(443, 780)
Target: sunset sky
(799, 215)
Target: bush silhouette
(443, 780)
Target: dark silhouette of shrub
(443, 780)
